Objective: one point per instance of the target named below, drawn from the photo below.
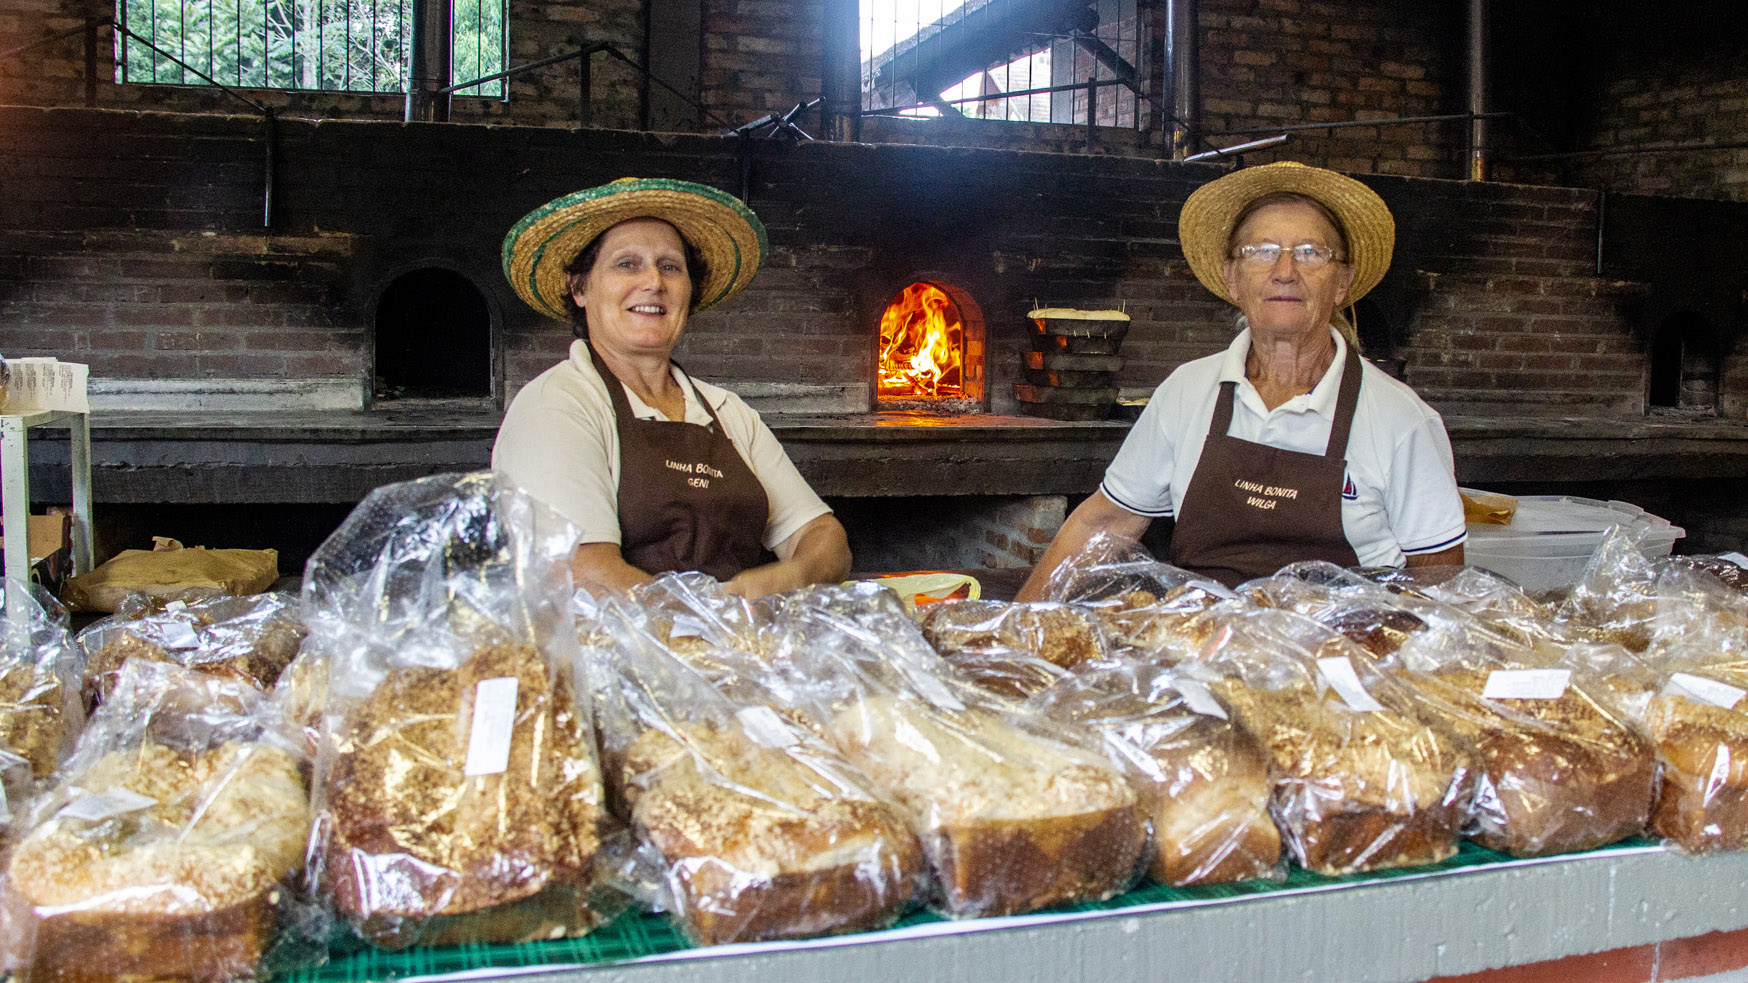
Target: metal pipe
(1237, 148)
(432, 58)
(1601, 216)
(1092, 110)
(1393, 121)
(841, 86)
(585, 91)
(1182, 77)
(271, 120)
(1478, 49)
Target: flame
(921, 342)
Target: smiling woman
(661, 472)
(1287, 446)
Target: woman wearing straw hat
(1287, 446)
(661, 472)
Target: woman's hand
(1095, 515)
(818, 552)
(599, 567)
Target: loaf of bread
(1552, 775)
(1162, 626)
(1013, 650)
(416, 850)
(40, 708)
(1010, 821)
(250, 638)
(1204, 780)
(1703, 805)
(161, 852)
(767, 842)
(1355, 790)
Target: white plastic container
(1551, 538)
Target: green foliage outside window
(327, 45)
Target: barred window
(1023, 60)
(318, 45)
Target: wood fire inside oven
(930, 353)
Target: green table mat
(635, 935)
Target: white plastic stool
(15, 484)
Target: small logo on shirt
(1348, 491)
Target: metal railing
(585, 82)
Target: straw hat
(1205, 225)
(727, 233)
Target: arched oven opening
(929, 353)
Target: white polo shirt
(560, 442)
(1400, 496)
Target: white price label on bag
(1218, 590)
(1736, 558)
(1197, 698)
(686, 626)
(1706, 690)
(494, 716)
(764, 726)
(1526, 684)
(117, 801)
(1341, 677)
(177, 635)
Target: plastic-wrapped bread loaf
(248, 638)
(163, 850)
(457, 793)
(1362, 780)
(40, 709)
(1554, 770)
(1205, 780)
(1149, 608)
(752, 826)
(1013, 650)
(1554, 773)
(758, 843)
(1698, 719)
(424, 842)
(1014, 814)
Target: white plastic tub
(1551, 537)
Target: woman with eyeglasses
(1287, 446)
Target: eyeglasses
(1305, 254)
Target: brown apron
(687, 499)
(1251, 509)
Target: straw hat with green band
(728, 235)
(1204, 227)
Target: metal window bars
(358, 46)
(1018, 60)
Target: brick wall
(151, 223)
(1686, 91)
(1288, 62)
(1719, 957)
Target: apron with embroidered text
(1251, 509)
(687, 499)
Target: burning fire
(921, 346)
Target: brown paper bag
(169, 568)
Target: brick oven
(240, 363)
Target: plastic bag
(1204, 779)
(166, 845)
(1491, 599)
(691, 615)
(250, 638)
(1362, 780)
(752, 826)
(1013, 650)
(1555, 769)
(1014, 814)
(1148, 607)
(1558, 767)
(40, 710)
(457, 795)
